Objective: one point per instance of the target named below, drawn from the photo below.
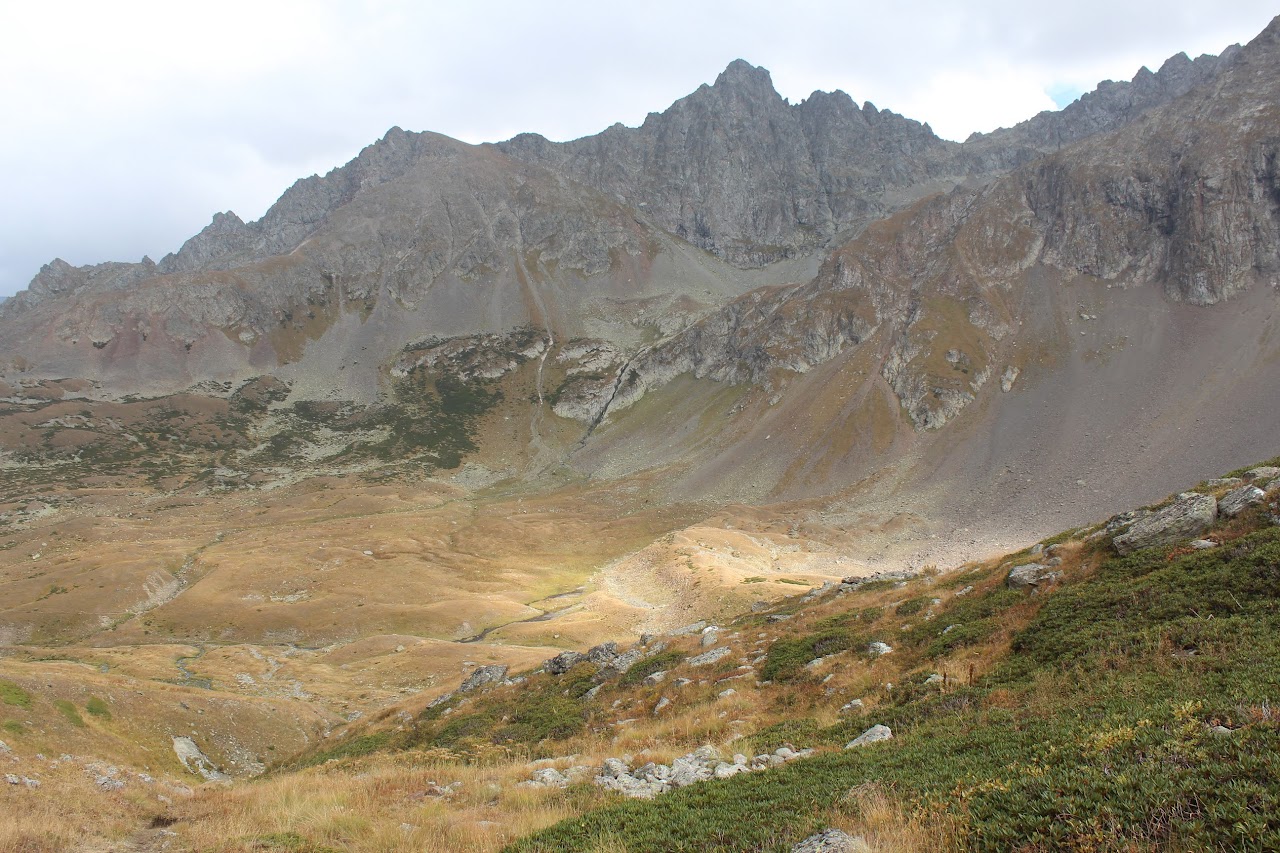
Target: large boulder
(563, 662)
(832, 841)
(603, 654)
(875, 734)
(713, 656)
(1238, 500)
(1032, 576)
(1190, 515)
(482, 676)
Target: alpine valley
(766, 475)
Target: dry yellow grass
(248, 683)
(407, 802)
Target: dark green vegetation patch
(1137, 710)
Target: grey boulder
(1031, 576)
(875, 734)
(1188, 516)
(832, 841)
(1238, 500)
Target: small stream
(541, 617)
(188, 679)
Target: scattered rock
(690, 769)
(833, 841)
(853, 582)
(603, 654)
(874, 734)
(963, 592)
(620, 664)
(1032, 576)
(1238, 500)
(818, 592)
(483, 676)
(1220, 482)
(708, 658)
(1263, 472)
(851, 706)
(1220, 730)
(701, 764)
(614, 767)
(1118, 523)
(655, 678)
(936, 678)
(695, 628)
(1187, 517)
(1203, 544)
(725, 694)
(709, 638)
(106, 783)
(878, 648)
(662, 705)
(12, 779)
(548, 777)
(563, 662)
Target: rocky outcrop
(832, 841)
(704, 763)
(563, 662)
(426, 235)
(484, 676)
(195, 760)
(875, 734)
(1188, 516)
(1032, 576)
(1238, 500)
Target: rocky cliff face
(1185, 197)
(736, 170)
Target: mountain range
(893, 304)
(453, 408)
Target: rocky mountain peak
(741, 76)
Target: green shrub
(642, 669)
(356, 746)
(69, 711)
(786, 658)
(97, 708)
(12, 694)
(912, 606)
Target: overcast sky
(128, 124)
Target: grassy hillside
(1132, 707)
(1127, 704)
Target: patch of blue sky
(1063, 93)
